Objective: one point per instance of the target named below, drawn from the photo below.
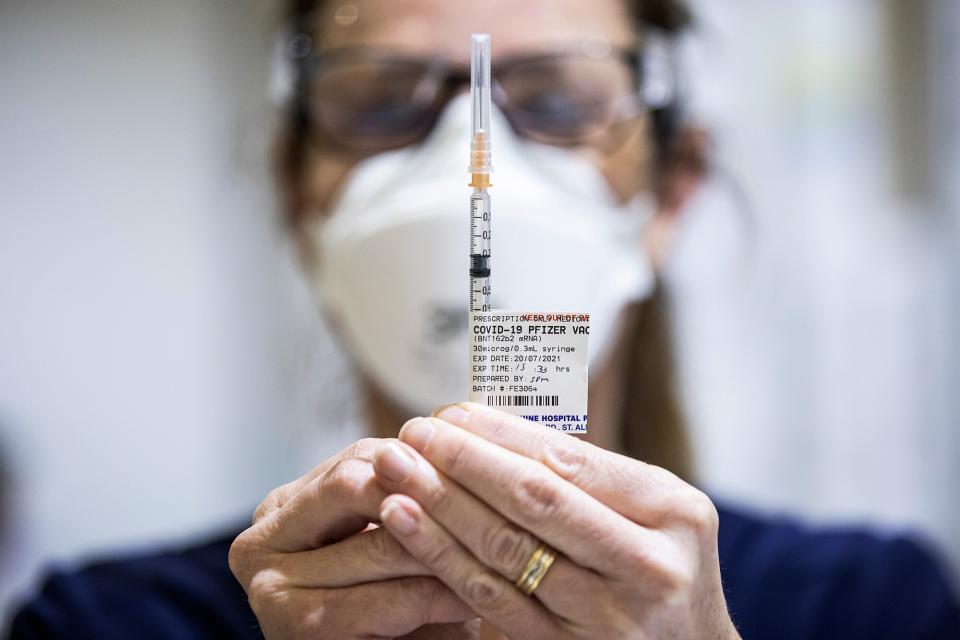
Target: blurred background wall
(161, 365)
(150, 333)
(820, 356)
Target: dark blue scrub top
(782, 582)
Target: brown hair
(653, 426)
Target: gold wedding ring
(537, 567)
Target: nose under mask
(393, 254)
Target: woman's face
(443, 28)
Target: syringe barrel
(480, 149)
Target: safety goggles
(367, 100)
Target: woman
(472, 513)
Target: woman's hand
(475, 491)
(314, 566)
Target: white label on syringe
(532, 365)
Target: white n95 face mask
(393, 254)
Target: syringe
(480, 169)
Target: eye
(564, 99)
(373, 103)
(376, 115)
(555, 110)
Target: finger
(639, 491)
(361, 449)
(371, 556)
(399, 607)
(486, 592)
(531, 495)
(406, 604)
(337, 504)
(491, 538)
(455, 631)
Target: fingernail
(453, 413)
(398, 519)
(418, 433)
(393, 463)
